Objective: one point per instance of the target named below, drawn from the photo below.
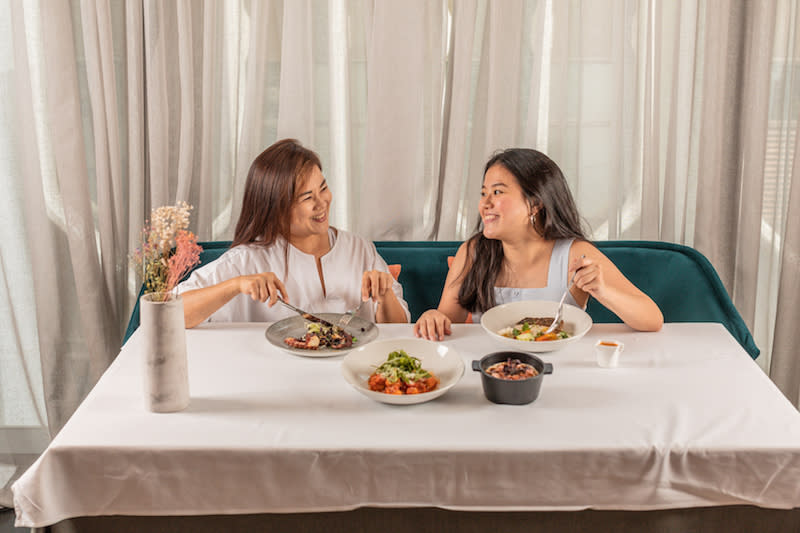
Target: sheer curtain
(672, 120)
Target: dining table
(686, 427)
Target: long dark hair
(544, 186)
(269, 192)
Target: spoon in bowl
(560, 310)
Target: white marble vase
(166, 376)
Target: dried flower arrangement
(168, 250)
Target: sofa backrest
(424, 269)
(679, 279)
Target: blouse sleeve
(203, 277)
(229, 265)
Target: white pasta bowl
(441, 360)
(576, 323)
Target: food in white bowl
(402, 374)
(436, 358)
(534, 329)
(496, 321)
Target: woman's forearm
(199, 304)
(390, 310)
(636, 310)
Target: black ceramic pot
(515, 392)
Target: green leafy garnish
(402, 366)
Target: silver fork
(348, 316)
(560, 310)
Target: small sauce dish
(607, 352)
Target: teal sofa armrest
(423, 272)
(680, 280)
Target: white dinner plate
(362, 330)
(444, 362)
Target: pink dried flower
(187, 255)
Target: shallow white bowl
(576, 323)
(443, 361)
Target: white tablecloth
(687, 419)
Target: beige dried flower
(168, 250)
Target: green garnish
(402, 366)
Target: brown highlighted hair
(269, 192)
(544, 186)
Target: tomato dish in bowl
(403, 371)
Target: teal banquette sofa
(678, 278)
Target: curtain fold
(112, 212)
(785, 367)
(158, 111)
(782, 196)
(455, 189)
(404, 92)
(134, 150)
(75, 347)
(296, 112)
(207, 202)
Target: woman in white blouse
(284, 246)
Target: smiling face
(503, 207)
(312, 203)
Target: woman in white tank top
(530, 244)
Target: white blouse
(342, 269)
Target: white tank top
(556, 282)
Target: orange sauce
(609, 344)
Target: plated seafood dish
(298, 336)
(321, 336)
(533, 329)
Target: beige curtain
(672, 120)
(781, 225)
(785, 367)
